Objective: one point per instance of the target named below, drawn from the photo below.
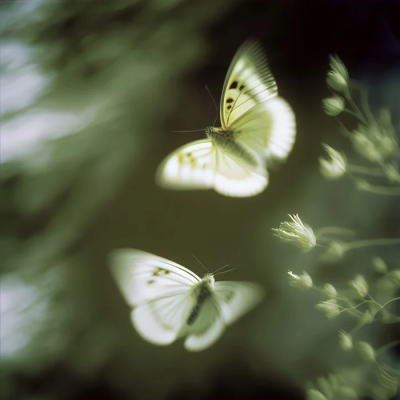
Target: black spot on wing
(229, 100)
(233, 85)
(160, 272)
(241, 87)
(229, 296)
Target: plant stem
(365, 170)
(371, 242)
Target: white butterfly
(171, 301)
(257, 126)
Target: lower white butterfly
(256, 126)
(172, 302)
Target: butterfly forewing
(237, 298)
(248, 82)
(144, 277)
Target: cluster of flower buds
(374, 139)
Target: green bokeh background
(139, 68)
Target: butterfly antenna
(195, 130)
(223, 272)
(215, 104)
(200, 263)
(219, 269)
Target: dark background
(142, 66)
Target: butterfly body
(256, 126)
(171, 302)
(226, 139)
(202, 292)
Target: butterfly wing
(269, 129)
(250, 107)
(192, 166)
(159, 289)
(204, 165)
(236, 178)
(236, 298)
(208, 327)
(228, 302)
(248, 82)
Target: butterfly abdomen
(225, 139)
(203, 293)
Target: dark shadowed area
(91, 92)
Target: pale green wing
(163, 320)
(192, 166)
(269, 129)
(248, 82)
(208, 327)
(236, 178)
(205, 165)
(236, 298)
(142, 276)
(228, 302)
(160, 290)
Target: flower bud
(329, 308)
(338, 76)
(379, 265)
(345, 340)
(360, 284)
(335, 167)
(335, 251)
(333, 105)
(330, 290)
(345, 392)
(314, 394)
(394, 275)
(366, 351)
(366, 318)
(388, 381)
(303, 281)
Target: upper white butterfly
(171, 301)
(257, 126)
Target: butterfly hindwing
(208, 327)
(163, 320)
(236, 178)
(192, 166)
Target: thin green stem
(355, 307)
(357, 112)
(371, 242)
(386, 190)
(386, 347)
(365, 170)
(359, 117)
(333, 230)
(388, 302)
(365, 105)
